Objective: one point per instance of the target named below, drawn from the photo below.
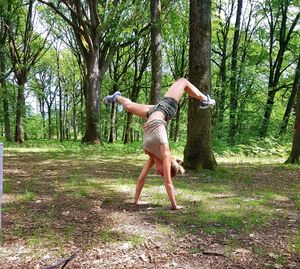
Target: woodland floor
(59, 203)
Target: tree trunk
(177, 125)
(127, 136)
(112, 133)
(156, 51)
(6, 119)
(267, 113)
(295, 153)
(42, 110)
(49, 123)
(233, 78)
(3, 40)
(19, 131)
(92, 133)
(198, 150)
(74, 120)
(291, 101)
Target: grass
(80, 189)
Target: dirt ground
(49, 225)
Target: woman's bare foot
(141, 202)
(177, 207)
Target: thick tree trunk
(92, 133)
(156, 51)
(198, 150)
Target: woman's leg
(181, 86)
(139, 110)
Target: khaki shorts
(168, 106)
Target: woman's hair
(176, 167)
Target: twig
(64, 262)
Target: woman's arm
(141, 180)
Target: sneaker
(109, 99)
(209, 102)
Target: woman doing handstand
(155, 135)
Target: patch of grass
(69, 230)
(215, 216)
(259, 250)
(107, 201)
(18, 230)
(165, 229)
(195, 251)
(135, 240)
(108, 236)
(7, 186)
(45, 238)
(294, 243)
(80, 194)
(29, 196)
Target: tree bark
(198, 150)
(156, 51)
(295, 152)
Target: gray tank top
(155, 134)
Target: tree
(233, 78)
(26, 48)
(97, 27)
(141, 59)
(222, 35)
(198, 150)
(4, 13)
(276, 14)
(84, 20)
(45, 85)
(291, 99)
(156, 50)
(118, 68)
(176, 49)
(295, 152)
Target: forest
(71, 161)
(254, 63)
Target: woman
(155, 135)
